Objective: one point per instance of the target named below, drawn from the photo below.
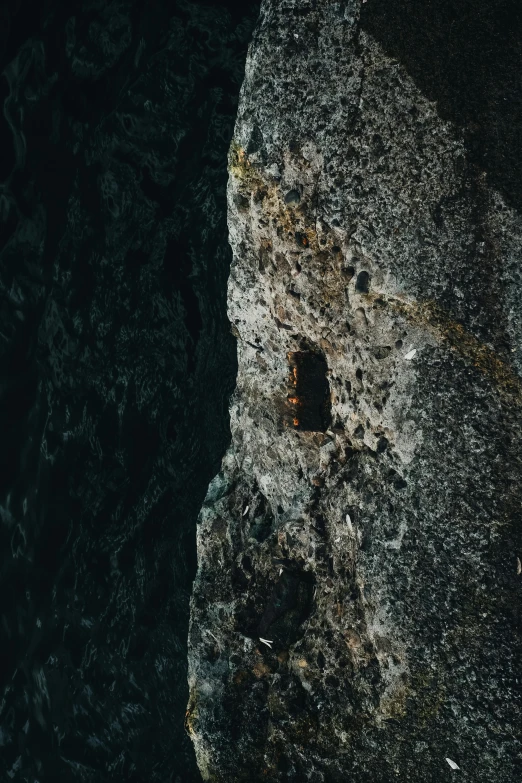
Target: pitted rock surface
(356, 612)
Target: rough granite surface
(356, 612)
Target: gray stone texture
(376, 550)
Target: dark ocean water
(116, 365)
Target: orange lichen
(261, 669)
(251, 179)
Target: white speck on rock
(452, 764)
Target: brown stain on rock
(431, 316)
(291, 220)
(427, 314)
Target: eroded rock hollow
(355, 615)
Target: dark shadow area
(117, 364)
(289, 606)
(467, 56)
(275, 611)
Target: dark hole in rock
(259, 196)
(263, 523)
(301, 239)
(365, 543)
(400, 484)
(359, 373)
(359, 432)
(256, 141)
(382, 445)
(382, 351)
(289, 605)
(398, 344)
(348, 272)
(362, 284)
(239, 580)
(332, 681)
(261, 529)
(349, 452)
(309, 399)
(241, 202)
(293, 197)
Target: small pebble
(452, 764)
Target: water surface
(116, 367)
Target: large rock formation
(354, 616)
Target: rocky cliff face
(355, 614)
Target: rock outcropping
(355, 615)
